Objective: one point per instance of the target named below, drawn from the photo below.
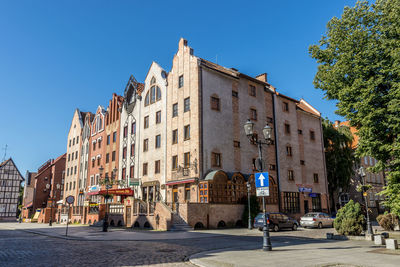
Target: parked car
(316, 219)
(277, 221)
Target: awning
(192, 180)
(118, 192)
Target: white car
(316, 219)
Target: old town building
(29, 192)
(48, 189)
(10, 183)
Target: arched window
(153, 95)
(153, 81)
(158, 93)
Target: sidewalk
(330, 253)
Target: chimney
(262, 77)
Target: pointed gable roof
(4, 163)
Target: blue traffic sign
(262, 179)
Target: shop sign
(94, 188)
(134, 182)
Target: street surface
(40, 245)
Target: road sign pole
(266, 238)
(66, 230)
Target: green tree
(339, 157)
(359, 66)
(349, 219)
(254, 210)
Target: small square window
(312, 135)
(299, 131)
(145, 145)
(146, 122)
(236, 144)
(287, 128)
(174, 162)
(253, 114)
(187, 132)
(215, 103)
(235, 94)
(272, 167)
(315, 177)
(158, 117)
(252, 90)
(157, 166)
(216, 159)
(175, 110)
(145, 168)
(158, 141)
(180, 81)
(175, 136)
(186, 104)
(285, 106)
(302, 162)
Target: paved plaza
(28, 244)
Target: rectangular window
(180, 82)
(187, 192)
(108, 139)
(146, 122)
(93, 163)
(114, 137)
(175, 136)
(285, 106)
(98, 161)
(299, 131)
(316, 178)
(187, 132)
(69, 156)
(186, 104)
(113, 156)
(99, 145)
(158, 117)
(125, 131)
(252, 90)
(94, 147)
(235, 94)
(316, 203)
(123, 173)
(236, 144)
(174, 162)
(287, 128)
(175, 110)
(131, 174)
(157, 166)
(77, 139)
(312, 135)
(107, 157)
(124, 153)
(132, 150)
(186, 160)
(145, 145)
(215, 103)
(216, 159)
(272, 167)
(158, 141)
(133, 128)
(288, 151)
(291, 202)
(290, 175)
(253, 114)
(73, 141)
(69, 142)
(302, 162)
(144, 169)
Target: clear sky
(56, 56)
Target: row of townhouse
(176, 145)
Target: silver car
(316, 219)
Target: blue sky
(56, 56)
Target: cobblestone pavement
(21, 248)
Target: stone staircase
(179, 224)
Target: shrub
(349, 219)
(387, 221)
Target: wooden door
(174, 198)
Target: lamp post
(361, 171)
(248, 203)
(267, 132)
(48, 186)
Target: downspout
(323, 159)
(201, 155)
(276, 152)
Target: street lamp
(361, 171)
(108, 184)
(248, 203)
(267, 132)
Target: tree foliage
(359, 65)
(349, 219)
(339, 156)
